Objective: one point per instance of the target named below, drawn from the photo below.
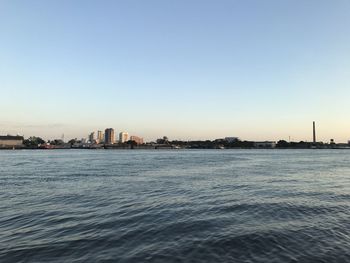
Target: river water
(175, 206)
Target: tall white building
(99, 136)
(123, 137)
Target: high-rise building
(99, 136)
(92, 137)
(136, 139)
(109, 136)
(314, 132)
(123, 137)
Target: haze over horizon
(258, 70)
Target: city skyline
(112, 135)
(96, 134)
(186, 69)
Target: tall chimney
(314, 132)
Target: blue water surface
(175, 206)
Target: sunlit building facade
(123, 137)
(136, 139)
(99, 137)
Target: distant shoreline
(162, 149)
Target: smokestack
(314, 132)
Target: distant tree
(163, 140)
(132, 143)
(72, 141)
(33, 142)
(283, 144)
(39, 140)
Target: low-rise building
(136, 139)
(9, 141)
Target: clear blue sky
(185, 69)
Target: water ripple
(175, 206)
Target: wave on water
(175, 206)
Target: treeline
(221, 143)
(34, 142)
(298, 145)
(215, 144)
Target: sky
(187, 69)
